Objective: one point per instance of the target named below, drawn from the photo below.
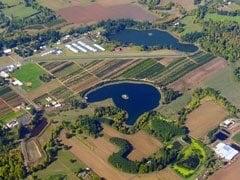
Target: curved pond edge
(111, 82)
(164, 30)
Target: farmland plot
(10, 97)
(61, 93)
(155, 71)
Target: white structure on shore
(99, 47)
(71, 48)
(225, 151)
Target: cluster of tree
(211, 134)
(114, 26)
(78, 104)
(168, 95)
(12, 165)
(191, 162)
(156, 162)
(192, 36)
(229, 13)
(3, 81)
(222, 39)
(46, 77)
(44, 16)
(119, 159)
(237, 73)
(106, 111)
(165, 129)
(113, 116)
(150, 3)
(196, 2)
(86, 125)
(200, 94)
(201, 11)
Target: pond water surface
(134, 98)
(151, 38)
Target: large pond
(134, 98)
(151, 38)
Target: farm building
(7, 51)
(227, 123)
(225, 151)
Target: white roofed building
(225, 151)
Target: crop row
(142, 66)
(10, 97)
(61, 93)
(153, 70)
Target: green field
(236, 138)
(194, 148)
(221, 18)
(190, 25)
(225, 82)
(29, 75)
(10, 116)
(17, 9)
(62, 167)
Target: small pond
(151, 38)
(221, 136)
(134, 98)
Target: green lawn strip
(196, 147)
(190, 25)
(19, 11)
(221, 18)
(236, 138)
(29, 75)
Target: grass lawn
(171, 110)
(19, 11)
(29, 75)
(190, 26)
(236, 138)
(221, 18)
(194, 147)
(62, 167)
(225, 82)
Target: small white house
(17, 83)
(225, 151)
(7, 51)
(3, 74)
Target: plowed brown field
(96, 12)
(95, 152)
(206, 117)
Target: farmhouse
(225, 151)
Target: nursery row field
(9, 101)
(152, 70)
